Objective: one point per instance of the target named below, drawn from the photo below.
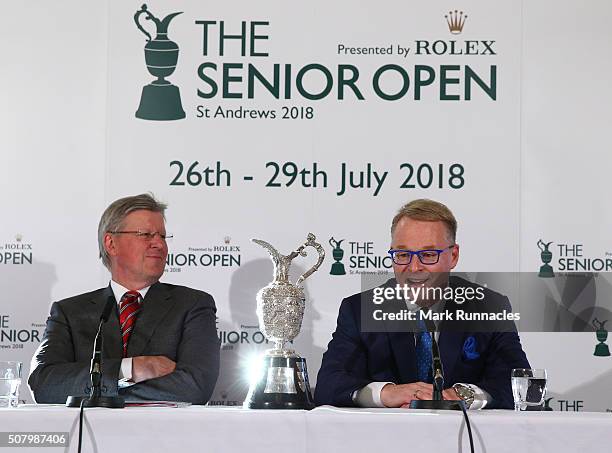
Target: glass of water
(528, 387)
(10, 380)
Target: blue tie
(423, 352)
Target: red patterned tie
(128, 310)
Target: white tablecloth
(325, 429)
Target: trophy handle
(598, 324)
(143, 10)
(335, 244)
(310, 242)
(545, 244)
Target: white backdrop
(533, 155)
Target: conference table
(324, 429)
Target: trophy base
(113, 402)
(160, 103)
(438, 405)
(602, 350)
(546, 271)
(337, 269)
(282, 384)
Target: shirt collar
(119, 291)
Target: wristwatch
(466, 393)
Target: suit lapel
(451, 344)
(402, 345)
(451, 338)
(156, 304)
(404, 351)
(112, 346)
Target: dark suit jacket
(175, 321)
(355, 358)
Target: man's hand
(148, 367)
(450, 394)
(401, 395)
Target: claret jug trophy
(282, 377)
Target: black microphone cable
(95, 368)
(93, 390)
(81, 413)
(469, 428)
(438, 382)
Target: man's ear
(109, 245)
(455, 256)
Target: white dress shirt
(125, 372)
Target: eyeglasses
(146, 235)
(427, 257)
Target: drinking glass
(10, 380)
(528, 387)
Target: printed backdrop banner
(271, 120)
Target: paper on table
(157, 404)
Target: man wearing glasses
(388, 367)
(160, 343)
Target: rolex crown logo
(227, 239)
(456, 21)
(18, 237)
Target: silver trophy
(282, 382)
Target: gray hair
(115, 214)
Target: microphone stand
(95, 398)
(438, 402)
(438, 385)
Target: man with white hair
(160, 343)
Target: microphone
(95, 370)
(438, 381)
(437, 370)
(110, 303)
(95, 398)
(438, 385)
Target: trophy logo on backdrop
(601, 349)
(160, 100)
(337, 267)
(547, 404)
(456, 21)
(546, 270)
